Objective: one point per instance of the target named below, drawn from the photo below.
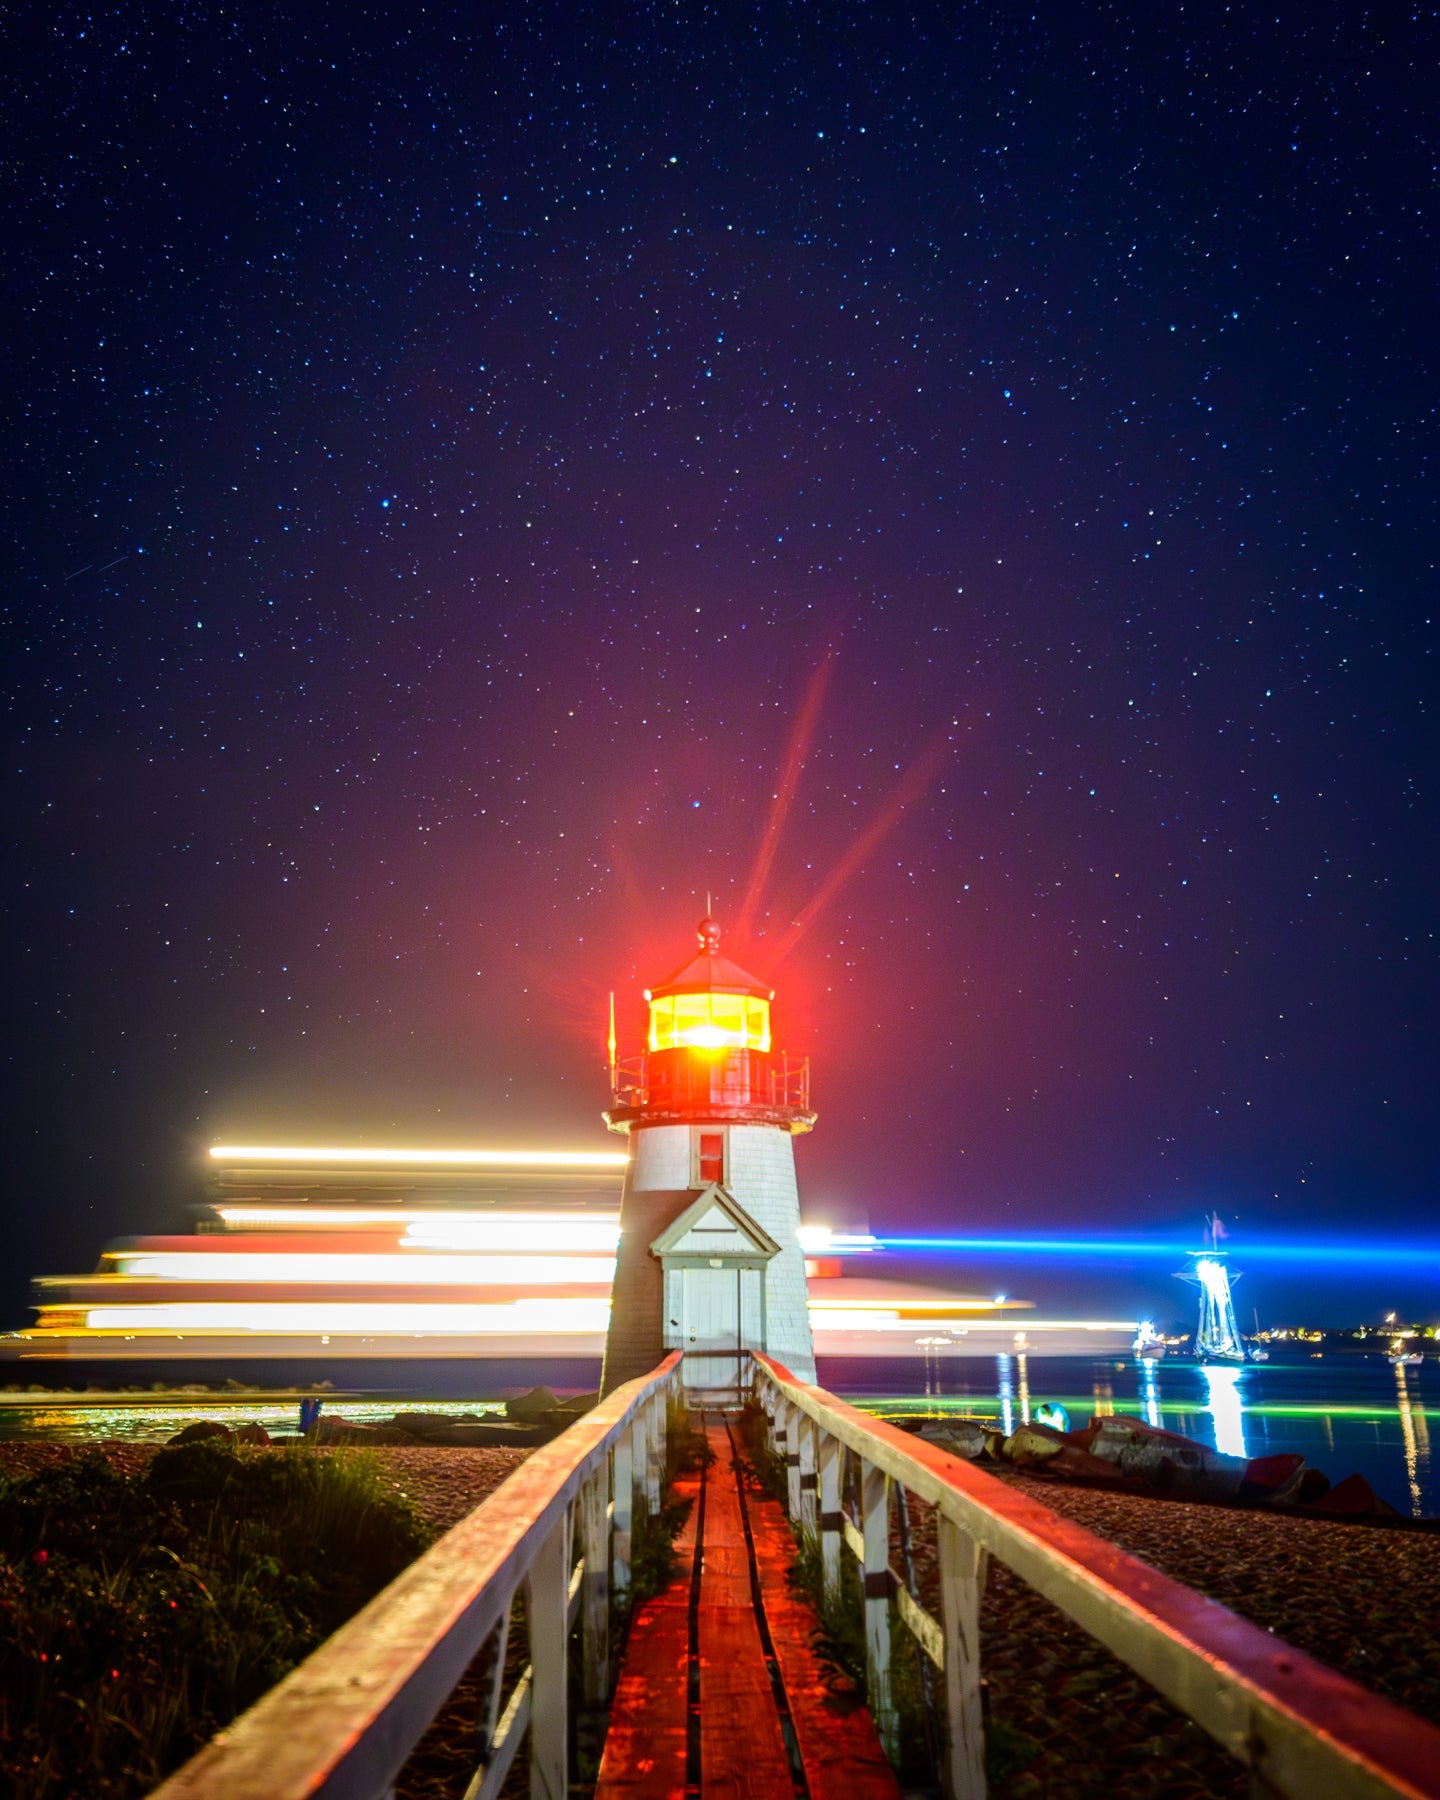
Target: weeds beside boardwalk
(147, 1597)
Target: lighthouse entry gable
(713, 1256)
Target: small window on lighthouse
(709, 1157)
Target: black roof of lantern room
(711, 973)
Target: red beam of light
(797, 752)
(911, 785)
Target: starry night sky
(464, 463)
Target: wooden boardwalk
(721, 1694)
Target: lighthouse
(709, 1259)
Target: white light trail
(552, 1317)
(444, 1229)
(327, 1268)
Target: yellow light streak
(841, 1318)
(547, 1315)
(378, 1269)
(313, 1153)
(919, 1303)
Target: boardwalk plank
(644, 1757)
(742, 1746)
(839, 1746)
(742, 1749)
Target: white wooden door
(710, 1322)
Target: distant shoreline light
(332, 1153)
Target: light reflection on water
(1227, 1413)
(1007, 1393)
(1150, 1394)
(1416, 1435)
(1343, 1415)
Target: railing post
(622, 1510)
(640, 1454)
(655, 1454)
(594, 1593)
(808, 1474)
(875, 1511)
(491, 1718)
(792, 1461)
(778, 1414)
(832, 1518)
(962, 1578)
(547, 1606)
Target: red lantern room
(708, 1052)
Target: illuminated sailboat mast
(1217, 1334)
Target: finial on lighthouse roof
(709, 933)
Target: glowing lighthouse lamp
(710, 1259)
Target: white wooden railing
(559, 1532)
(1304, 1730)
(343, 1724)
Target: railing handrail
(1309, 1729)
(361, 1702)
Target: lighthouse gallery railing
(1303, 1729)
(739, 1077)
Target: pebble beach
(1363, 1598)
(1074, 1722)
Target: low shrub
(139, 1614)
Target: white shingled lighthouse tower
(709, 1258)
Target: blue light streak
(1246, 1250)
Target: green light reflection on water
(153, 1423)
(982, 1406)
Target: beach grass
(140, 1612)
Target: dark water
(1342, 1414)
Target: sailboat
(1257, 1351)
(1217, 1335)
(1148, 1345)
